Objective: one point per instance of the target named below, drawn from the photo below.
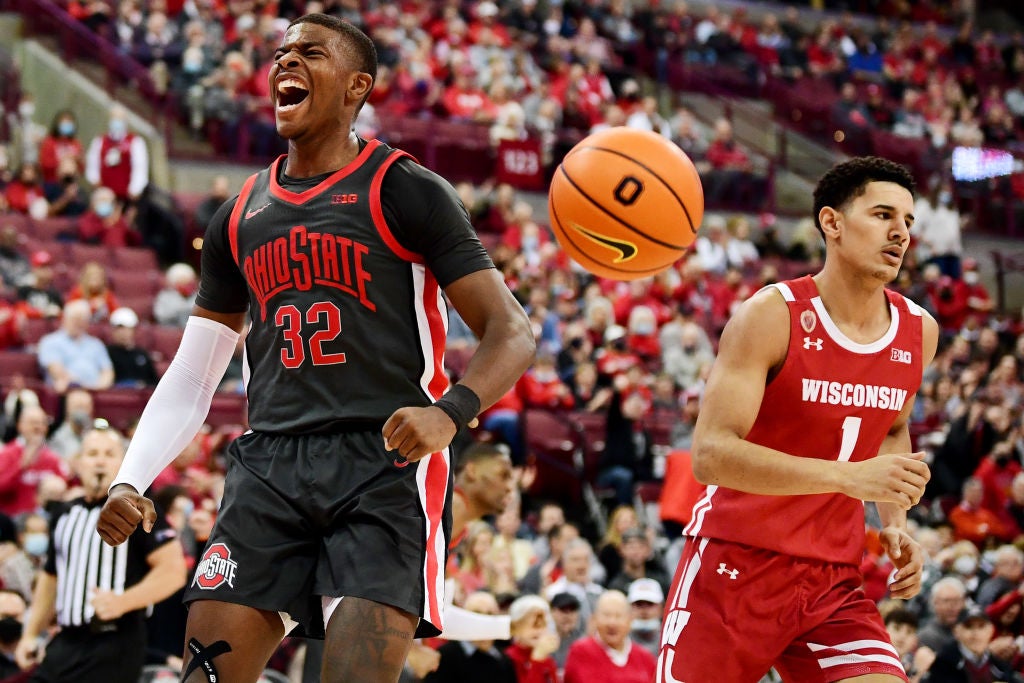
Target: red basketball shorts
(735, 611)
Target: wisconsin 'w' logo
(626, 250)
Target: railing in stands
(76, 41)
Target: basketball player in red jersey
(337, 505)
(804, 418)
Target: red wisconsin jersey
(833, 399)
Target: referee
(97, 593)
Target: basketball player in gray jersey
(337, 506)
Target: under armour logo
(817, 343)
(733, 573)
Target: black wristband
(461, 404)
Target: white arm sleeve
(461, 624)
(180, 402)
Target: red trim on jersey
(436, 491)
(236, 216)
(439, 382)
(377, 211)
(299, 198)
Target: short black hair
(901, 615)
(843, 182)
(362, 46)
(480, 451)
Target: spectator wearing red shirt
(971, 521)
(996, 473)
(26, 461)
(464, 100)
(609, 654)
(729, 179)
(25, 190)
(642, 336)
(486, 30)
(94, 289)
(615, 358)
(979, 302)
(533, 641)
(104, 222)
(60, 144)
(503, 420)
(541, 387)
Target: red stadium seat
(164, 341)
(37, 327)
(120, 406)
(24, 363)
(80, 254)
(132, 282)
(135, 258)
(555, 448)
(228, 409)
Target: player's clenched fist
(417, 432)
(898, 479)
(122, 512)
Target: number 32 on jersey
(327, 316)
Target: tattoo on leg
(203, 657)
(376, 639)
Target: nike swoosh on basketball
(627, 250)
(250, 214)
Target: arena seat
(35, 328)
(164, 341)
(80, 254)
(136, 258)
(133, 282)
(120, 407)
(228, 409)
(555, 447)
(24, 363)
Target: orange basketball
(625, 203)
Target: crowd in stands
(583, 556)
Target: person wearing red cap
(39, 298)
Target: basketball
(625, 203)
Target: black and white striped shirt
(83, 563)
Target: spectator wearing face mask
(646, 601)
(104, 222)
(174, 302)
(16, 568)
(979, 302)
(66, 440)
(118, 159)
(61, 143)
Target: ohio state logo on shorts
(216, 568)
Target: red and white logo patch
(215, 568)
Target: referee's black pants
(79, 655)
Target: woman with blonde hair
(622, 518)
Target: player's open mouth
(290, 94)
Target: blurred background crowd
(98, 258)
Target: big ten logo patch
(216, 568)
(344, 198)
(901, 356)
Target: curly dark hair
(364, 51)
(846, 181)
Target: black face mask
(10, 630)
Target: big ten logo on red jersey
(303, 260)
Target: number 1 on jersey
(290, 319)
(851, 430)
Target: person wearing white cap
(646, 600)
(133, 366)
(533, 640)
